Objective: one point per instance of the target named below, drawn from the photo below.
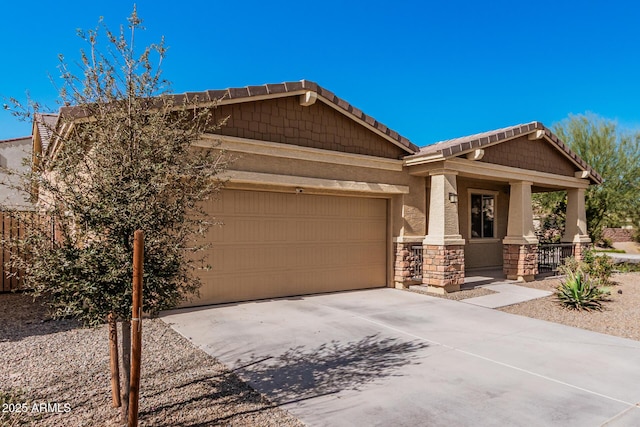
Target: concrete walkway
(506, 294)
(618, 258)
(386, 357)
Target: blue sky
(429, 70)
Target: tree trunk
(126, 367)
(136, 325)
(114, 360)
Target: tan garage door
(284, 244)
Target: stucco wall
(319, 126)
(285, 166)
(284, 120)
(483, 252)
(414, 208)
(536, 155)
(12, 153)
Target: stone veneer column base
(404, 266)
(520, 262)
(579, 248)
(443, 268)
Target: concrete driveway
(386, 357)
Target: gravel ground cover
(619, 317)
(59, 362)
(456, 296)
(65, 366)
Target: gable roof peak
(275, 90)
(457, 146)
(292, 88)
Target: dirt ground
(628, 247)
(619, 316)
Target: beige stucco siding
(305, 220)
(12, 154)
(414, 207)
(483, 252)
(295, 167)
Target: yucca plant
(578, 291)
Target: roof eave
(422, 159)
(271, 91)
(488, 139)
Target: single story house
(323, 197)
(13, 153)
(15, 156)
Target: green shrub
(578, 291)
(605, 242)
(601, 269)
(627, 267)
(598, 267)
(588, 256)
(570, 265)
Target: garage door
(285, 244)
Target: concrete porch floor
(484, 276)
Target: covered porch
(470, 206)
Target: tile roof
(287, 87)
(456, 146)
(278, 89)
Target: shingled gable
(460, 146)
(273, 91)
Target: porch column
(443, 268)
(576, 222)
(410, 223)
(520, 245)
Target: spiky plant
(579, 292)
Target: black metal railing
(552, 255)
(415, 262)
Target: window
(483, 208)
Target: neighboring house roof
(19, 139)
(267, 91)
(457, 146)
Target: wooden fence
(13, 226)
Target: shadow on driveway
(300, 373)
